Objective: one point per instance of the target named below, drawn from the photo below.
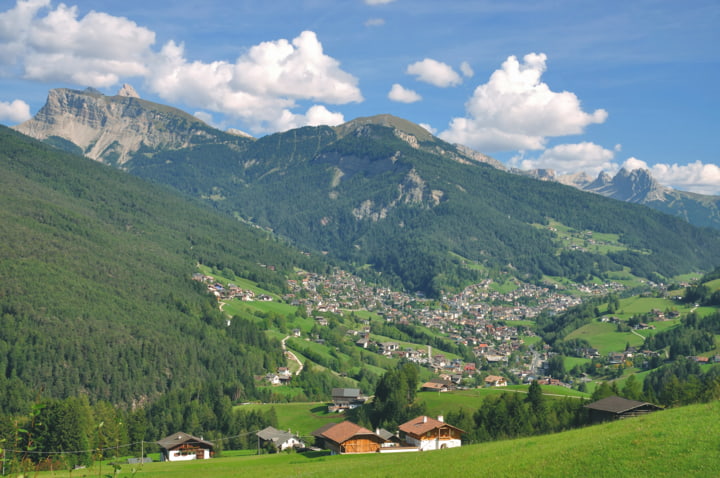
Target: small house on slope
(613, 408)
(430, 434)
(182, 447)
(347, 437)
(279, 439)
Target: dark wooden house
(613, 408)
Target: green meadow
(680, 442)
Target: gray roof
(274, 435)
(176, 439)
(346, 392)
(615, 404)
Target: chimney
(441, 418)
(424, 419)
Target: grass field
(604, 337)
(679, 442)
(302, 418)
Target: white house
(183, 447)
(430, 434)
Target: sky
(573, 86)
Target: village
(496, 326)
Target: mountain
(96, 295)
(113, 128)
(384, 195)
(638, 186)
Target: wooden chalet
(613, 408)
(430, 434)
(345, 399)
(182, 447)
(347, 437)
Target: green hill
(669, 443)
(96, 295)
(422, 213)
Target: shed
(613, 407)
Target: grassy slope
(677, 442)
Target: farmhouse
(347, 437)
(612, 408)
(279, 439)
(430, 434)
(345, 399)
(182, 447)
(495, 381)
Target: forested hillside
(419, 212)
(96, 295)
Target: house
(430, 434)
(347, 437)
(279, 439)
(182, 447)
(434, 387)
(613, 408)
(495, 381)
(345, 399)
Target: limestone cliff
(111, 129)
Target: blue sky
(568, 85)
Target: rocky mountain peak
(111, 128)
(128, 91)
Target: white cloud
(515, 110)
(429, 128)
(95, 50)
(403, 95)
(374, 22)
(466, 70)
(14, 112)
(570, 158)
(262, 86)
(696, 176)
(378, 2)
(434, 72)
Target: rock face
(111, 129)
(632, 186)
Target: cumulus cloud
(695, 177)
(14, 112)
(262, 86)
(402, 95)
(515, 110)
(95, 50)
(466, 70)
(434, 72)
(570, 158)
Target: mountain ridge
(383, 192)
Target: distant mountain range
(638, 186)
(380, 193)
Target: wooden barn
(347, 437)
(613, 408)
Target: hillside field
(676, 442)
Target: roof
(434, 386)
(618, 405)
(423, 424)
(274, 435)
(171, 441)
(346, 392)
(341, 432)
